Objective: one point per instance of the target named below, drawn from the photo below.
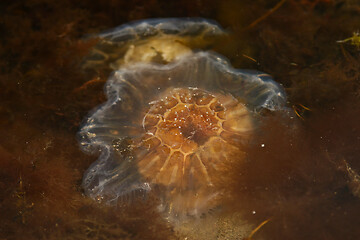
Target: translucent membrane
(176, 127)
(152, 40)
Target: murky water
(300, 178)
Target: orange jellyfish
(174, 127)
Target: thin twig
(257, 229)
(268, 13)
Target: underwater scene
(203, 120)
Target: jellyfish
(152, 40)
(175, 127)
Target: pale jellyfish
(173, 128)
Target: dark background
(304, 180)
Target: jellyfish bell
(152, 40)
(175, 127)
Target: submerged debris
(354, 40)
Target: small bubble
(263, 145)
(253, 212)
(99, 199)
